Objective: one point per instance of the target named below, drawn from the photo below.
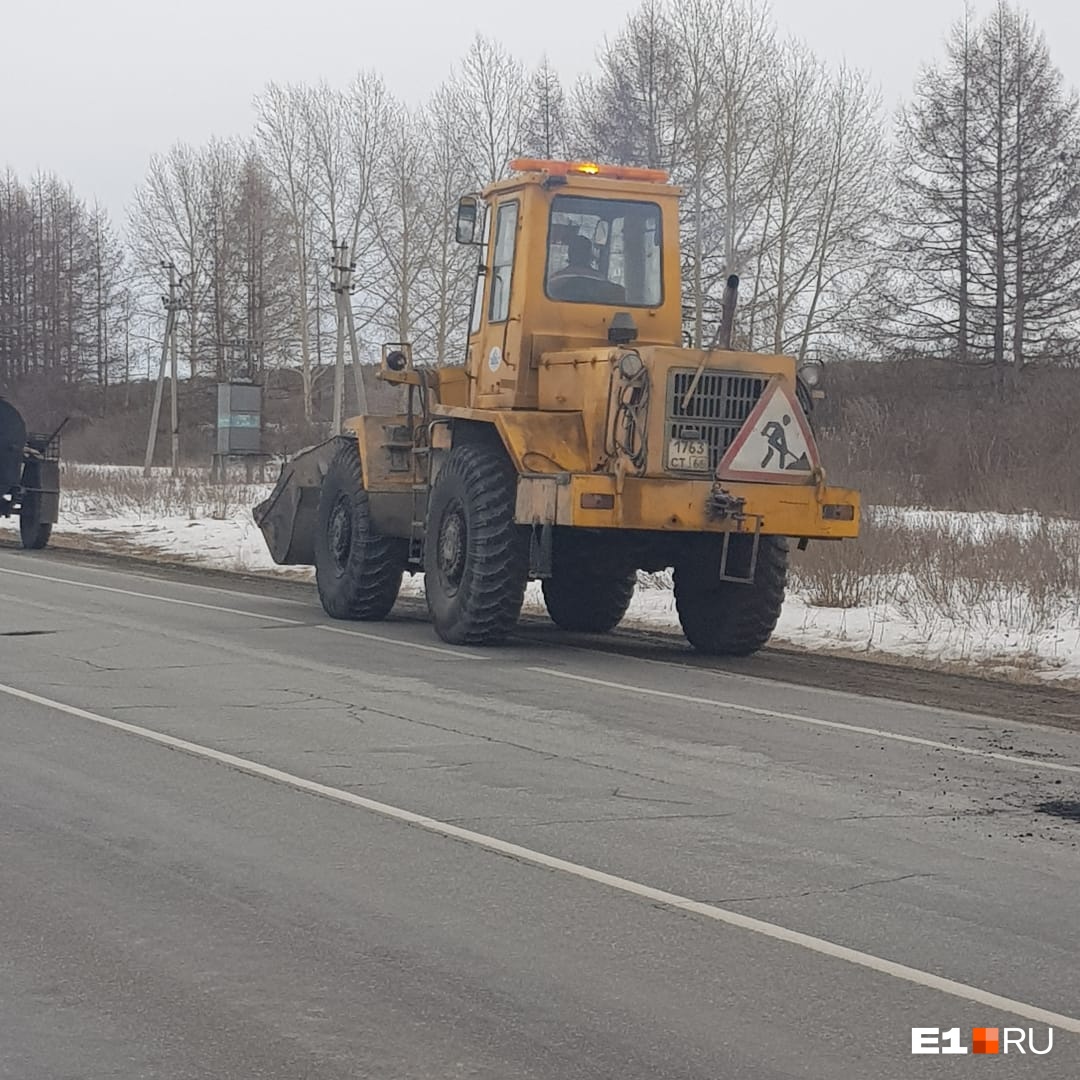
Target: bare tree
(631, 112)
(221, 162)
(1036, 226)
(263, 263)
(403, 235)
(987, 228)
(545, 131)
(488, 91)
(447, 278)
(285, 142)
(748, 46)
(696, 27)
(167, 223)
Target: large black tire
(476, 560)
(729, 618)
(588, 601)
(33, 533)
(358, 572)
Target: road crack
(819, 892)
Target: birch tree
(446, 282)
(285, 144)
(823, 205)
(167, 224)
(401, 226)
(488, 90)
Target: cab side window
(502, 267)
(481, 280)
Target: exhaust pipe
(727, 318)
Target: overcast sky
(89, 89)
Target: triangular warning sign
(775, 444)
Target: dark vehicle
(29, 477)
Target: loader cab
(567, 252)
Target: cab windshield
(604, 251)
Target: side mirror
(469, 220)
(397, 358)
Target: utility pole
(175, 381)
(344, 268)
(348, 269)
(338, 264)
(173, 305)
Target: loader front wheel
(729, 618)
(358, 572)
(476, 560)
(588, 602)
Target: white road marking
(592, 650)
(813, 944)
(150, 596)
(782, 684)
(835, 725)
(175, 582)
(404, 644)
(416, 645)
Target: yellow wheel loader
(579, 443)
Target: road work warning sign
(775, 444)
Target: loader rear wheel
(358, 572)
(730, 618)
(476, 560)
(588, 602)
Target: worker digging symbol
(777, 437)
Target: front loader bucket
(288, 518)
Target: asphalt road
(237, 840)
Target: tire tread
(369, 587)
(732, 619)
(588, 602)
(491, 604)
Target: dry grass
(983, 570)
(115, 491)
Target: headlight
(631, 365)
(810, 371)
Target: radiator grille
(717, 410)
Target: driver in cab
(579, 280)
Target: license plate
(688, 455)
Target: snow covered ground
(991, 626)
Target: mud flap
(288, 518)
(48, 488)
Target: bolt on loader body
(579, 443)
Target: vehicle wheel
(588, 601)
(729, 618)
(358, 572)
(33, 532)
(476, 560)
